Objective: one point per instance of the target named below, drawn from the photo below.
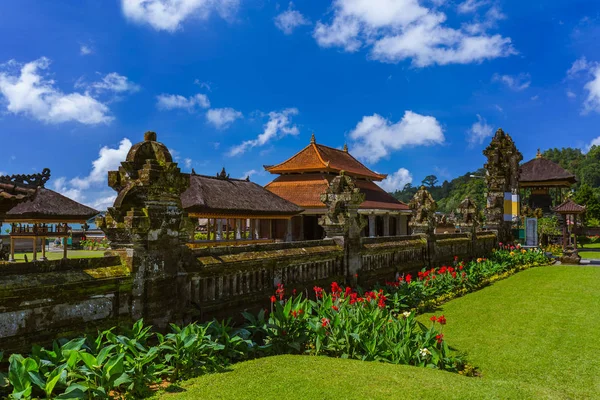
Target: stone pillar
(146, 226)
(12, 249)
(372, 222)
(386, 225)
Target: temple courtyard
(532, 336)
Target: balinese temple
(542, 182)
(45, 214)
(17, 188)
(306, 175)
(237, 211)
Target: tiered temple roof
(543, 172)
(569, 207)
(17, 188)
(318, 158)
(222, 196)
(306, 175)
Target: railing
(237, 242)
(39, 230)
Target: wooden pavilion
(45, 214)
(236, 211)
(306, 175)
(17, 188)
(542, 183)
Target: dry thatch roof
(49, 206)
(16, 188)
(543, 170)
(222, 195)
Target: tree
(430, 181)
(586, 196)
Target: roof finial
(223, 174)
(346, 147)
(539, 154)
(312, 139)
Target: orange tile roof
(317, 158)
(305, 191)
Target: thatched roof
(49, 206)
(543, 170)
(227, 196)
(569, 207)
(16, 188)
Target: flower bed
(345, 322)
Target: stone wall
(40, 301)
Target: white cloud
(517, 82)
(27, 91)
(592, 86)
(592, 102)
(222, 118)
(85, 50)
(397, 180)
(376, 137)
(85, 190)
(571, 94)
(168, 15)
(108, 160)
(176, 101)
(396, 30)
(248, 174)
(479, 131)
(278, 126)
(470, 6)
(113, 82)
(578, 66)
(187, 163)
(290, 19)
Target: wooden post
(386, 225)
(372, 221)
(35, 248)
(12, 249)
(238, 229)
(43, 249)
(565, 228)
(270, 228)
(65, 247)
(575, 229)
(226, 228)
(288, 236)
(301, 227)
(257, 229)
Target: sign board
(531, 232)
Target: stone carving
(342, 199)
(423, 207)
(502, 176)
(148, 206)
(469, 213)
(32, 181)
(223, 174)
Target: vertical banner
(511, 207)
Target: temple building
(45, 214)
(236, 211)
(17, 188)
(306, 175)
(542, 183)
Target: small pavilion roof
(306, 190)
(569, 207)
(224, 196)
(319, 158)
(541, 170)
(16, 188)
(49, 206)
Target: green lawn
(20, 257)
(533, 336)
(590, 255)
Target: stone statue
(342, 199)
(147, 210)
(468, 211)
(502, 176)
(423, 207)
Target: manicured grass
(534, 335)
(20, 257)
(590, 255)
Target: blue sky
(414, 87)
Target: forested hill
(448, 194)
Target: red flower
(273, 299)
(455, 258)
(433, 318)
(353, 298)
(280, 291)
(453, 275)
(440, 338)
(460, 267)
(335, 288)
(325, 322)
(408, 278)
(335, 308)
(294, 292)
(348, 291)
(441, 320)
(318, 292)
